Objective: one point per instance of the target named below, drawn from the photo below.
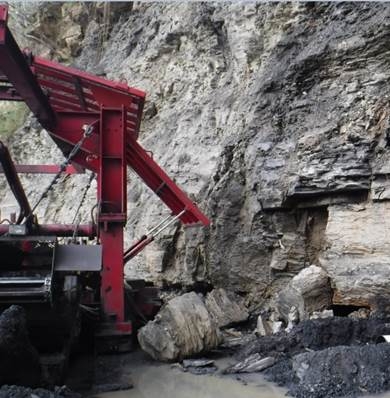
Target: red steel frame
(64, 100)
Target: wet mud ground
(151, 379)
(328, 358)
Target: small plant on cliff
(12, 116)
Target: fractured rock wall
(274, 117)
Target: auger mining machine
(95, 123)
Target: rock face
(225, 310)
(182, 328)
(307, 292)
(19, 361)
(274, 117)
(357, 254)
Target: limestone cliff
(274, 117)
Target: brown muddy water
(155, 380)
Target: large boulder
(182, 328)
(308, 291)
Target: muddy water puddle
(155, 380)
(164, 381)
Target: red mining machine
(95, 123)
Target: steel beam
(112, 210)
(14, 183)
(8, 93)
(44, 169)
(14, 65)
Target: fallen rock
(199, 366)
(293, 318)
(263, 327)
(182, 328)
(19, 360)
(322, 314)
(277, 327)
(254, 363)
(197, 363)
(308, 291)
(226, 309)
(361, 313)
(236, 342)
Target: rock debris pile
(323, 358)
(19, 360)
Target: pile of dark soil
(330, 357)
(19, 360)
(318, 334)
(26, 392)
(335, 372)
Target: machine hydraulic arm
(66, 102)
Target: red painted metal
(8, 93)
(64, 100)
(45, 169)
(112, 209)
(152, 174)
(3, 13)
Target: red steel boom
(65, 101)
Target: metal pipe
(158, 225)
(170, 222)
(145, 240)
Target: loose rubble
(254, 363)
(335, 372)
(199, 366)
(7, 391)
(323, 358)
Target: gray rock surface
(225, 310)
(356, 257)
(254, 363)
(263, 326)
(182, 328)
(271, 115)
(307, 292)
